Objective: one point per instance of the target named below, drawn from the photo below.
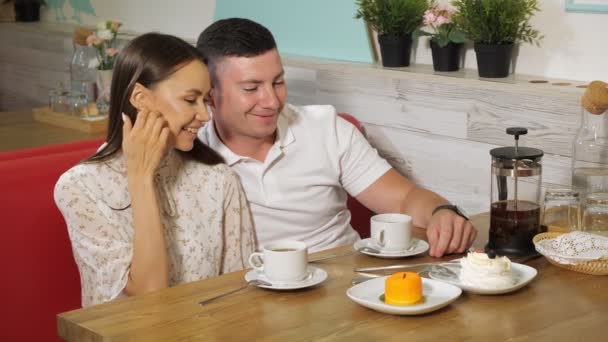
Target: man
(297, 163)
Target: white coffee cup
(391, 232)
(282, 261)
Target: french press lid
(516, 152)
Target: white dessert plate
(436, 295)
(523, 275)
(420, 246)
(315, 276)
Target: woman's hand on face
(144, 143)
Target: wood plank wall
(33, 59)
(437, 129)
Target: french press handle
(501, 181)
(517, 131)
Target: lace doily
(574, 248)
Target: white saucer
(421, 247)
(523, 274)
(436, 295)
(315, 276)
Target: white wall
(184, 18)
(575, 45)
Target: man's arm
(447, 232)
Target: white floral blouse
(207, 224)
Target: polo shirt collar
(215, 143)
(284, 132)
(284, 137)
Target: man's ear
(211, 98)
(140, 97)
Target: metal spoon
(403, 266)
(368, 250)
(332, 256)
(438, 269)
(376, 251)
(251, 282)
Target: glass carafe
(590, 154)
(590, 158)
(82, 71)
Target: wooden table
(19, 130)
(559, 305)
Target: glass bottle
(82, 71)
(590, 154)
(590, 148)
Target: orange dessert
(403, 288)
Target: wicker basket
(595, 267)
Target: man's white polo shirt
(298, 192)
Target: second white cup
(282, 261)
(391, 232)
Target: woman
(154, 207)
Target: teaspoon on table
(377, 251)
(438, 269)
(251, 282)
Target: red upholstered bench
(40, 276)
(360, 215)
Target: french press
(515, 193)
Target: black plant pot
(446, 58)
(27, 11)
(395, 50)
(493, 61)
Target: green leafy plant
(497, 21)
(392, 17)
(439, 18)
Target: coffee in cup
(282, 261)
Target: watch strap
(451, 207)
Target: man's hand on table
(449, 233)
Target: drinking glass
(53, 93)
(79, 105)
(561, 209)
(595, 213)
(60, 103)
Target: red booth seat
(360, 215)
(40, 276)
(41, 279)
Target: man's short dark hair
(234, 37)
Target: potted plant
(395, 21)
(495, 26)
(446, 40)
(28, 10)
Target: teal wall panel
(318, 28)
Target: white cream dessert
(481, 271)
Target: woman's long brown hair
(147, 60)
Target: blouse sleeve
(102, 250)
(239, 236)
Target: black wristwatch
(457, 210)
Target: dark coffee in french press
(515, 210)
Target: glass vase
(104, 81)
